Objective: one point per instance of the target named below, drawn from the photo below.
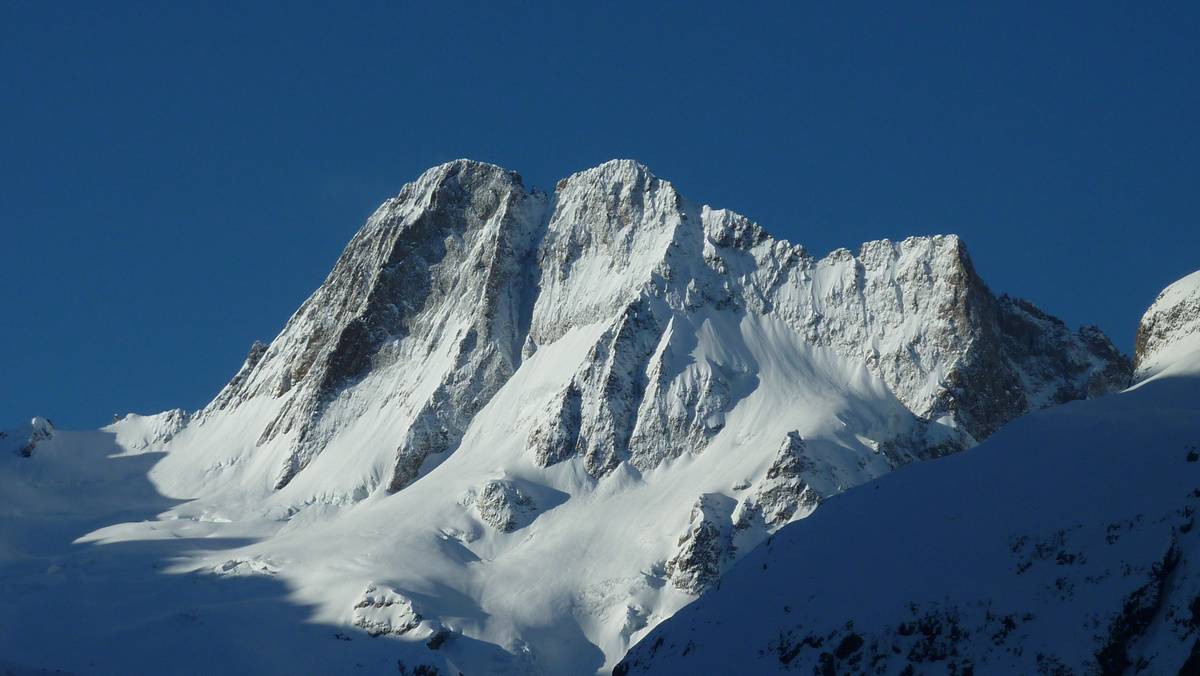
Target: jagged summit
(461, 165)
(468, 268)
(613, 171)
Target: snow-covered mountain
(512, 432)
(1168, 336)
(1064, 544)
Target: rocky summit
(534, 426)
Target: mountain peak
(1169, 331)
(615, 171)
(461, 172)
(465, 262)
(460, 165)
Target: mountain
(514, 431)
(1064, 544)
(1169, 333)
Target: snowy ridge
(535, 427)
(1064, 544)
(436, 302)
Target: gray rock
(504, 506)
(382, 610)
(784, 491)
(705, 548)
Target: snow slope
(1064, 544)
(511, 433)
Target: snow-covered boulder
(504, 506)
(383, 610)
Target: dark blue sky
(175, 180)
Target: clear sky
(175, 178)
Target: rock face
(1170, 328)
(705, 548)
(438, 273)
(503, 505)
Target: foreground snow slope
(511, 433)
(1064, 544)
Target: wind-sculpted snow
(548, 422)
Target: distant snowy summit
(534, 426)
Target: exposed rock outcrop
(705, 548)
(383, 610)
(24, 440)
(442, 271)
(784, 493)
(503, 505)
(1170, 327)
